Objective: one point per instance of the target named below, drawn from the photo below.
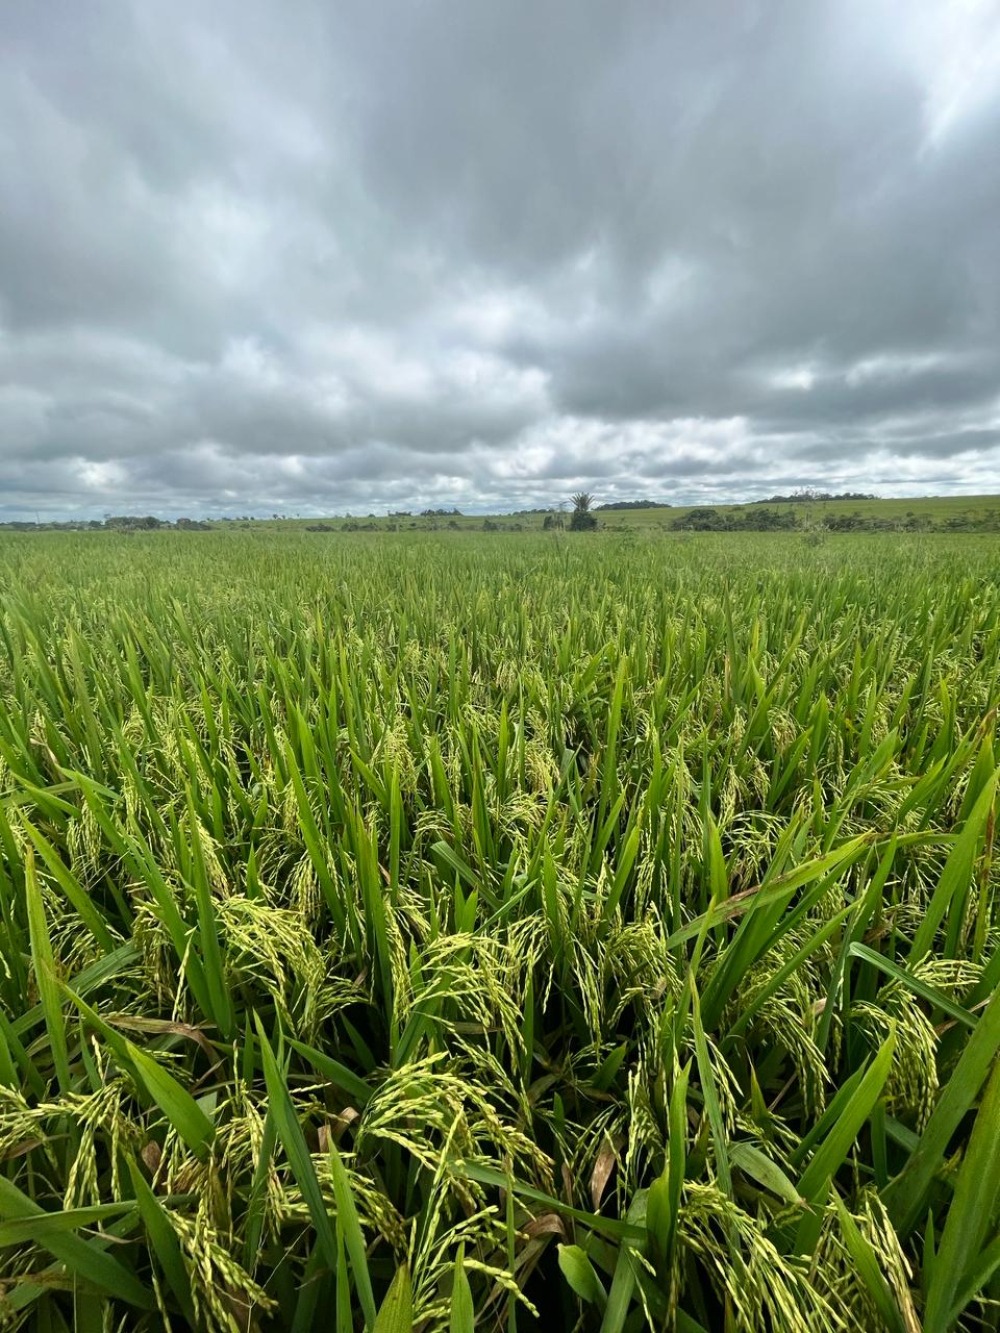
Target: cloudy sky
(344, 256)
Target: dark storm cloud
(363, 255)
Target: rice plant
(438, 932)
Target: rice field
(437, 932)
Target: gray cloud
(367, 255)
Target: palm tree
(582, 519)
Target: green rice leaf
(462, 1316)
(86, 1259)
(972, 1213)
(395, 1314)
(581, 1275)
(292, 1139)
(45, 974)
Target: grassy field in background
(936, 510)
(425, 931)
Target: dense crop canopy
(414, 931)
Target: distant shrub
(582, 520)
(708, 519)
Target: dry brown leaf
(545, 1224)
(603, 1167)
(163, 1026)
(151, 1155)
(567, 1184)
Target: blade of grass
(286, 1124)
(164, 1242)
(84, 1258)
(45, 974)
(971, 1214)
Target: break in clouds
(325, 257)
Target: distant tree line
(116, 523)
(808, 494)
(755, 516)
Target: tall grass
(448, 932)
